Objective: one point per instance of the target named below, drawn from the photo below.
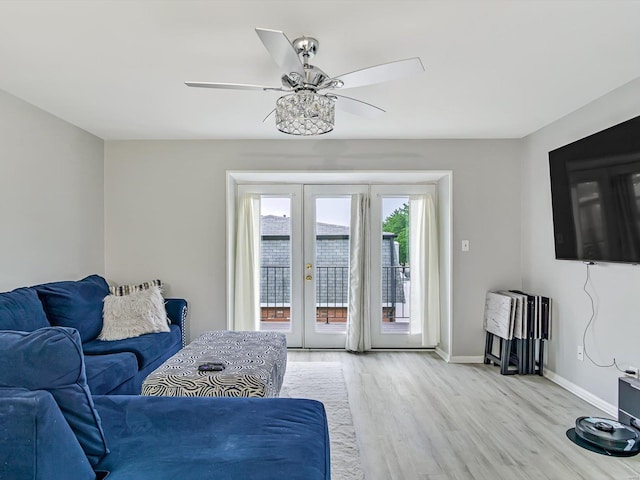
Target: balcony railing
(332, 293)
(395, 293)
(275, 293)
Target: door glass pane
(396, 278)
(275, 263)
(332, 263)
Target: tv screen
(595, 195)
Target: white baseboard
(442, 354)
(467, 359)
(459, 359)
(582, 393)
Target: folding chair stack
(517, 324)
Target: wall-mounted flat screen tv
(595, 195)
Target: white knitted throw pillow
(140, 312)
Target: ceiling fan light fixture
(305, 113)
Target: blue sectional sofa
(52, 427)
(112, 367)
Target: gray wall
(165, 212)
(616, 328)
(51, 197)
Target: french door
(280, 290)
(305, 258)
(326, 252)
(397, 254)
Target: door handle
(308, 278)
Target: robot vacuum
(605, 436)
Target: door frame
(442, 178)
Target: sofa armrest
(35, 439)
(177, 309)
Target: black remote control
(211, 367)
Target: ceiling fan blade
(357, 107)
(233, 86)
(381, 73)
(281, 50)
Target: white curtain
(247, 272)
(424, 261)
(358, 328)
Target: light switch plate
(465, 245)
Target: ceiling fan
(309, 106)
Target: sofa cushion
(35, 440)
(106, 372)
(76, 304)
(134, 314)
(147, 348)
(222, 438)
(124, 290)
(51, 359)
(21, 309)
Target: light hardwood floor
(417, 417)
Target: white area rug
(323, 381)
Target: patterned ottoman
(254, 365)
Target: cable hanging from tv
(587, 281)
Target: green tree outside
(398, 223)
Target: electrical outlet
(631, 371)
(580, 353)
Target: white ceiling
(494, 69)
